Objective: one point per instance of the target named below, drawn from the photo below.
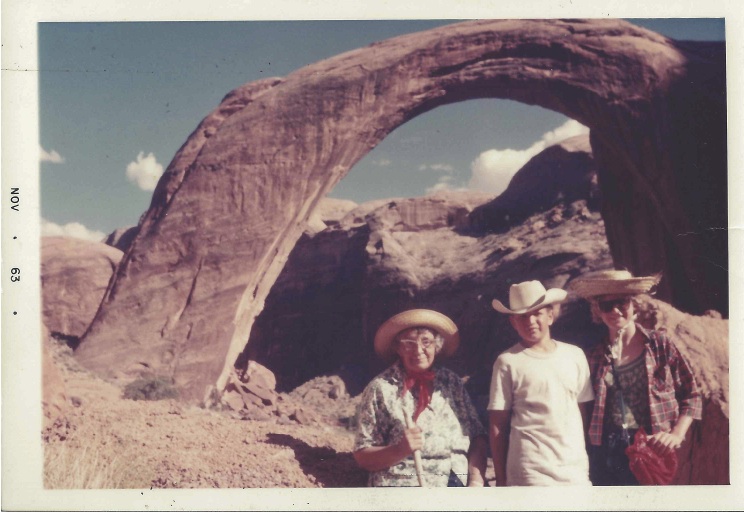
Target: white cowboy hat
(612, 282)
(529, 296)
(416, 318)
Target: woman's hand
(412, 440)
(665, 442)
(378, 458)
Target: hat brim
(552, 296)
(434, 320)
(588, 288)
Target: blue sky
(117, 100)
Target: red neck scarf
(423, 382)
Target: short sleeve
(501, 387)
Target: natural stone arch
(237, 195)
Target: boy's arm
(499, 424)
(477, 461)
(586, 408)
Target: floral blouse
(633, 381)
(448, 423)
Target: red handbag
(648, 466)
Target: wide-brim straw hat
(612, 282)
(529, 296)
(434, 320)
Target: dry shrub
(151, 388)
(70, 465)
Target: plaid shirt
(671, 386)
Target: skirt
(608, 463)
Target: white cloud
(436, 167)
(71, 229)
(569, 129)
(146, 171)
(382, 162)
(492, 170)
(52, 157)
(444, 183)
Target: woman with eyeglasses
(416, 423)
(640, 379)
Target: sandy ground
(107, 441)
(168, 444)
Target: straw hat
(529, 296)
(416, 318)
(612, 282)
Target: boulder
(74, 277)
(233, 400)
(258, 374)
(240, 192)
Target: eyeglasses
(605, 306)
(412, 345)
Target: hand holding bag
(648, 466)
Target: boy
(539, 389)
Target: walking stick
(416, 454)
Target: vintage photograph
(354, 253)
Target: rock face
(562, 173)
(239, 193)
(74, 277)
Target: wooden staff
(416, 454)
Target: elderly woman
(640, 379)
(443, 424)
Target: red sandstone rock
(233, 399)
(260, 392)
(74, 277)
(256, 373)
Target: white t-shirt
(543, 390)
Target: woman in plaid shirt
(640, 379)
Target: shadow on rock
(329, 467)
